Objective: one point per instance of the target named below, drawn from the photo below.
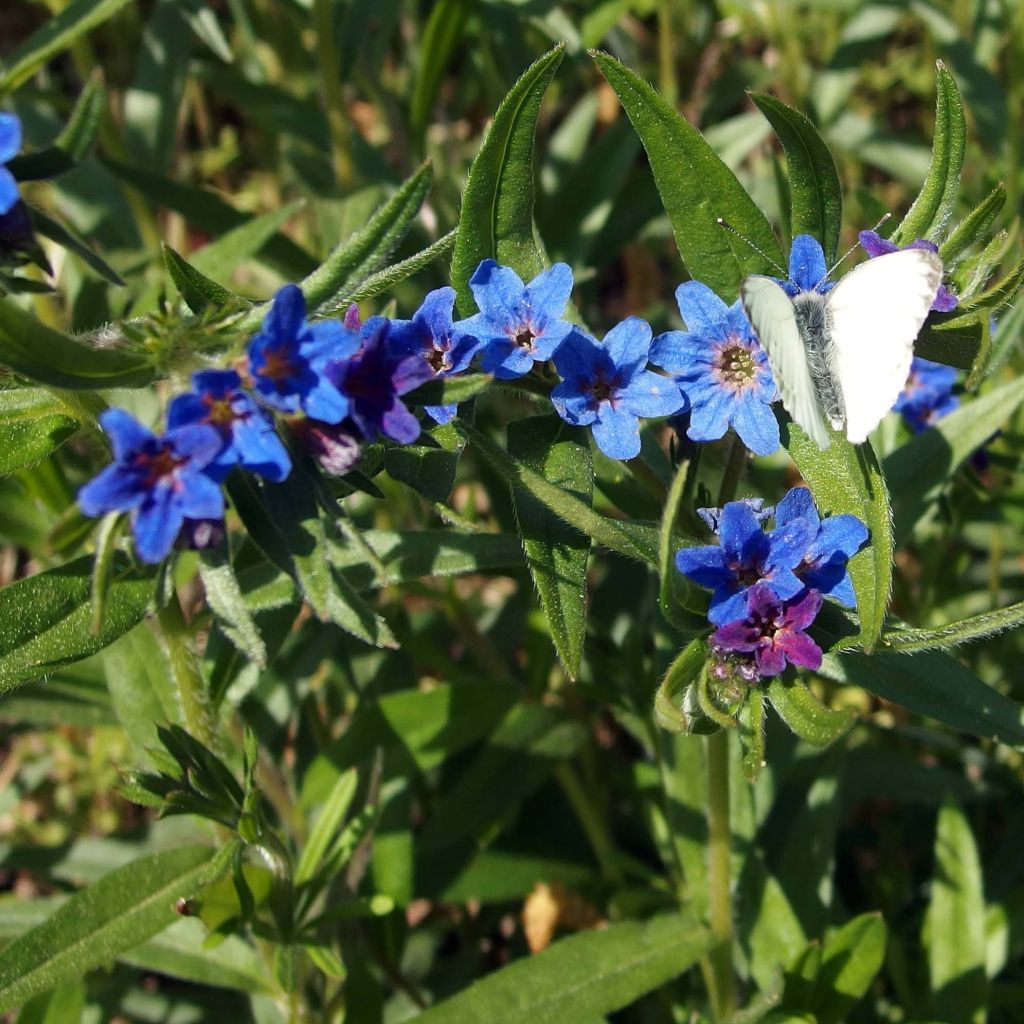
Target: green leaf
(973, 227)
(437, 45)
(197, 290)
(33, 425)
(955, 924)
(676, 594)
(954, 340)
(811, 720)
(55, 36)
(966, 631)
(125, 908)
(40, 353)
(449, 390)
(920, 468)
(670, 711)
(933, 684)
(225, 598)
(751, 728)
(45, 620)
(497, 205)
(556, 554)
(851, 958)
(429, 469)
(580, 978)
(846, 478)
(817, 196)
(328, 824)
(934, 206)
(622, 537)
(68, 239)
(697, 189)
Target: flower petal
(699, 306)
(10, 137)
(126, 433)
(756, 425)
(798, 649)
(650, 395)
(399, 423)
(629, 345)
(9, 194)
(116, 488)
(807, 267)
(499, 292)
(287, 313)
(156, 525)
(875, 245)
(548, 293)
(798, 503)
(617, 432)
(577, 356)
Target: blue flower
(807, 269)
(430, 334)
(287, 357)
(747, 556)
(928, 395)
(721, 370)
(249, 439)
(606, 386)
(518, 325)
(875, 245)
(162, 481)
(712, 517)
(10, 145)
(835, 541)
(373, 380)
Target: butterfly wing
(876, 312)
(770, 311)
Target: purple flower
(334, 446)
(432, 336)
(286, 359)
(928, 395)
(518, 324)
(373, 380)
(201, 534)
(605, 385)
(835, 541)
(747, 556)
(721, 370)
(10, 145)
(774, 631)
(162, 481)
(249, 439)
(875, 245)
(807, 269)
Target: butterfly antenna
(722, 223)
(846, 254)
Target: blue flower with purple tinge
(10, 146)
(721, 369)
(606, 386)
(712, 517)
(836, 540)
(249, 438)
(773, 631)
(928, 395)
(518, 324)
(875, 245)
(287, 357)
(162, 481)
(373, 381)
(747, 556)
(432, 336)
(808, 271)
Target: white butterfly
(845, 356)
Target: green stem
(593, 824)
(719, 884)
(192, 690)
(666, 53)
(334, 95)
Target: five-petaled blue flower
(430, 334)
(747, 556)
(875, 245)
(721, 369)
(249, 439)
(287, 357)
(10, 146)
(518, 324)
(928, 395)
(162, 481)
(807, 269)
(836, 540)
(607, 386)
(373, 381)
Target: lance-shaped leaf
(811, 720)
(429, 468)
(122, 910)
(40, 353)
(973, 227)
(197, 290)
(497, 205)
(449, 390)
(581, 978)
(977, 627)
(33, 424)
(817, 196)
(670, 710)
(696, 189)
(960, 341)
(933, 207)
(846, 478)
(556, 554)
(226, 600)
(46, 619)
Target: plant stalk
(719, 882)
(333, 94)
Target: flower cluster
(928, 395)
(768, 585)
